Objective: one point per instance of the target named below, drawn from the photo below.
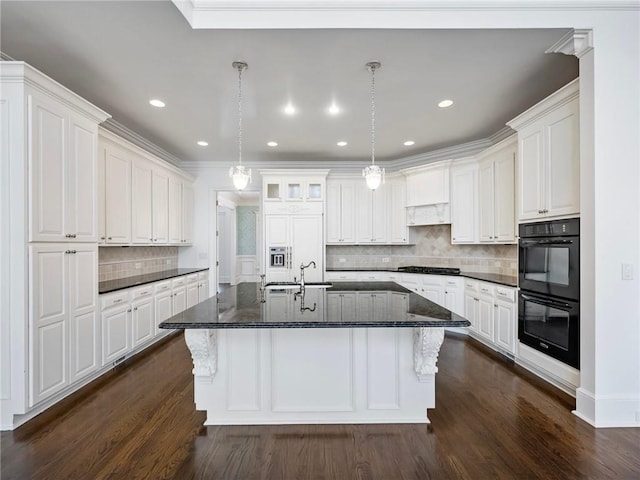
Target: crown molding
(6, 58)
(295, 13)
(577, 42)
(502, 134)
(122, 131)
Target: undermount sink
(290, 285)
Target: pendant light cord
(372, 68)
(240, 68)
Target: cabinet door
(187, 213)
(48, 170)
(485, 201)
(117, 195)
(162, 308)
(397, 213)
(82, 175)
(562, 176)
(454, 299)
(116, 333)
(48, 292)
(160, 202)
(505, 325)
(84, 326)
(379, 215)
(530, 168)
(203, 291)
(470, 311)
(277, 231)
(463, 205)
(175, 211)
(433, 293)
(504, 227)
(142, 212)
(364, 218)
(192, 295)
(348, 309)
(306, 239)
(485, 318)
(142, 320)
(179, 300)
(348, 212)
(334, 212)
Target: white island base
(314, 375)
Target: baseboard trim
(607, 411)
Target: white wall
(610, 121)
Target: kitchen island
(345, 353)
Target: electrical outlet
(627, 271)
(168, 261)
(138, 265)
(343, 260)
(385, 260)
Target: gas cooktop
(436, 270)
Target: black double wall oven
(549, 281)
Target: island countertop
(342, 305)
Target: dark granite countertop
(507, 280)
(128, 282)
(247, 306)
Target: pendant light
(240, 175)
(373, 174)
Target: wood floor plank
(492, 420)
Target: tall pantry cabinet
(49, 253)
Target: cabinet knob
(135, 309)
(109, 238)
(540, 211)
(102, 238)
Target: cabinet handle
(109, 238)
(143, 293)
(135, 309)
(117, 300)
(70, 252)
(129, 310)
(540, 211)
(102, 238)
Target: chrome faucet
(302, 267)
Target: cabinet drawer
(435, 280)
(454, 282)
(162, 286)
(486, 288)
(470, 285)
(112, 299)
(341, 276)
(193, 278)
(372, 276)
(141, 292)
(506, 293)
(178, 282)
(202, 276)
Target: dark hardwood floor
(492, 420)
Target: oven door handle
(545, 242)
(547, 303)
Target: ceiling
(119, 55)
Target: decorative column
(426, 346)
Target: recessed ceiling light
(445, 103)
(408, 143)
(333, 109)
(157, 103)
(342, 143)
(289, 109)
(202, 143)
(272, 144)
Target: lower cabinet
(162, 304)
(492, 310)
(179, 303)
(116, 326)
(203, 286)
(142, 318)
(63, 321)
(192, 290)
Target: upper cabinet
(142, 200)
(548, 169)
(61, 132)
(296, 188)
(464, 202)
(496, 193)
(357, 215)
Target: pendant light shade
(240, 175)
(373, 174)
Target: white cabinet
(492, 311)
(358, 215)
(162, 304)
(293, 185)
(548, 156)
(454, 294)
(179, 293)
(62, 319)
(464, 203)
(187, 213)
(142, 317)
(203, 286)
(371, 306)
(63, 173)
(341, 211)
(341, 306)
(192, 290)
(175, 211)
(117, 194)
(141, 202)
(371, 219)
(160, 202)
(496, 193)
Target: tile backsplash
(432, 246)
(121, 262)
